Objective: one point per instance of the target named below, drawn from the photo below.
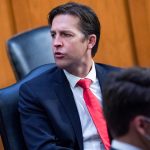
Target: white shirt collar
(123, 146)
(74, 79)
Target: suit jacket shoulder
(102, 72)
(48, 100)
(107, 68)
(46, 78)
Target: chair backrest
(9, 116)
(30, 49)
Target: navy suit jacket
(49, 116)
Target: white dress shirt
(91, 139)
(123, 146)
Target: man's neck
(82, 70)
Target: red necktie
(95, 110)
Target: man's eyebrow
(63, 30)
(52, 31)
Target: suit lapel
(101, 75)
(65, 95)
(102, 72)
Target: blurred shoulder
(106, 67)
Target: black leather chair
(9, 116)
(29, 50)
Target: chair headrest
(30, 49)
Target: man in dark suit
(127, 109)
(52, 109)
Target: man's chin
(61, 65)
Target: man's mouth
(58, 55)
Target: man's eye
(52, 35)
(66, 35)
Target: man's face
(70, 47)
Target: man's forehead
(65, 20)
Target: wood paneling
(33, 13)
(115, 45)
(6, 30)
(140, 18)
(1, 145)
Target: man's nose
(57, 41)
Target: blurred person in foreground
(127, 109)
(61, 109)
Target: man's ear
(91, 41)
(141, 125)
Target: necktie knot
(84, 83)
